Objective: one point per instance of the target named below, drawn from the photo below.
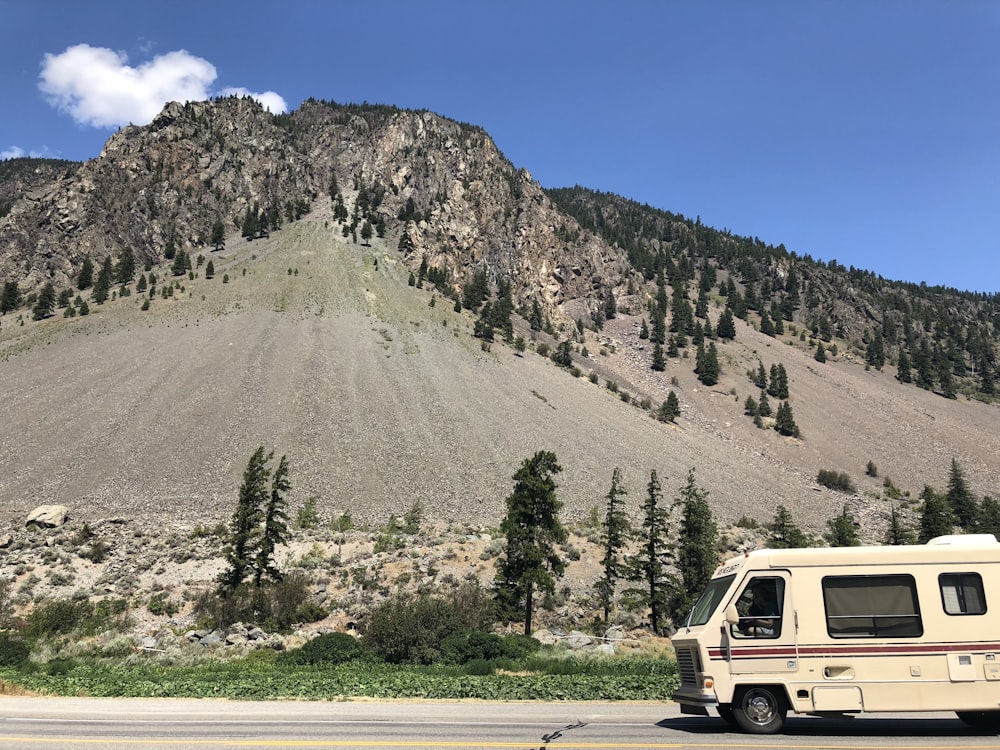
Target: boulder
(48, 516)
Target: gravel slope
(319, 349)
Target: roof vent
(964, 539)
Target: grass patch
(264, 678)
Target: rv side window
(759, 606)
(962, 593)
(871, 607)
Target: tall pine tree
(532, 529)
(697, 557)
(615, 532)
(649, 564)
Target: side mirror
(732, 615)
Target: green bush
(479, 668)
(62, 616)
(835, 480)
(410, 629)
(272, 606)
(330, 648)
(13, 650)
(472, 645)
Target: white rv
(846, 630)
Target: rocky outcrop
(443, 185)
(47, 516)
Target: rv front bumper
(695, 699)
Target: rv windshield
(709, 600)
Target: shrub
(475, 645)
(834, 480)
(411, 628)
(273, 606)
(160, 604)
(97, 552)
(13, 650)
(308, 518)
(330, 648)
(61, 616)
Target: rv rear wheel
(759, 710)
(981, 719)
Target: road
(138, 724)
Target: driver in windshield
(763, 612)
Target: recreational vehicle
(846, 630)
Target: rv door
(764, 638)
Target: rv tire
(981, 719)
(760, 709)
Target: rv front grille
(687, 665)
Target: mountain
(329, 332)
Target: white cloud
(16, 152)
(96, 86)
(271, 101)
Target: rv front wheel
(759, 710)
(989, 720)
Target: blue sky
(858, 130)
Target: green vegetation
(836, 480)
(262, 677)
(532, 529)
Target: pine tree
(125, 271)
(875, 353)
(760, 379)
(764, 406)
(750, 407)
(903, 373)
(244, 540)
(11, 299)
(726, 327)
(708, 373)
(45, 303)
(989, 517)
(251, 223)
(103, 284)
(649, 564)
(820, 355)
(670, 409)
(842, 530)
(615, 533)
(696, 547)
(897, 533)
(85, 279)
(532, 530)
(180, 264)
(275, 526)
(784, 422)
(659, 363)
(936, 517)
(784, 534)
(209, 270)
(218, 239)
(778, 386)
(610, 306)
(960, 498)
(766, 326)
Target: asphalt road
(137, 724)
